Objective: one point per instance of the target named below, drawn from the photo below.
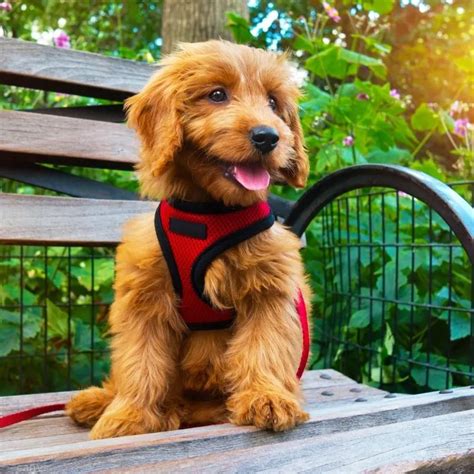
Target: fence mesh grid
(394, 301)
(53, 317)
(394, 293)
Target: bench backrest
(92, 136)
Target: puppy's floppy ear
(296, 173)
(154, 114)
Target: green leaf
(9, 340)
(360, 319)
(328, 64)
(317, 99)
(57, 321)
(375, 65)
(375, 45)
(460, 325)
(424, 118)
(393, 155)
(304, 43)
(31, 324)
(389, 340)
(428, 167)
(436, 378)
(239, 27)
(382, 6)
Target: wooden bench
(353, 427)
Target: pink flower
(331, 12)
(461, 126)
(458, 107)
(6, 6)
(395, 94)
(348, 141)
(61, 39)
(362, 96)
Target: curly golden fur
(164, 376)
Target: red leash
(14, 418)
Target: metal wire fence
(53, 317)
(394, 292)
(394, 301)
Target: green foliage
(240, 28)
(406, 304)
(59, 312)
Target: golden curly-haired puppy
(217, 122)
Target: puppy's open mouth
(252, 176)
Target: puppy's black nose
(263, 138)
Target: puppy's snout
(264, 138)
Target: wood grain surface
(344, 435)
(58, 220)
(53, 139)
(418, 441)
(37, 66)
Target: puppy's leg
(144, 365)
(87, 406)
(262, 361)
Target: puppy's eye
(272, 103)
(218, 95)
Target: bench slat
(41, 220)
(36, 66)
(374, 449)
(65, 140)
(351, 423)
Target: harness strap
(303, 314)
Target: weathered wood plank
(226, 441)
(417, 441)
(25, 402)
(57, 220)
(71, 185)
(51, 431)
(51, 139)
(37, 66)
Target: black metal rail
(457, 213)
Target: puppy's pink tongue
(252, 177)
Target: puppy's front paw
(267, 410)
(86, 407)
(125, 421)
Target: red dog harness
(191, 236)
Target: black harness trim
(210, 326)
(201, 264)
(167, 253)
(213, 207)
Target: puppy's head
(219, 120)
